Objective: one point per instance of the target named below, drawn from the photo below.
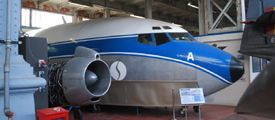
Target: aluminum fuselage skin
(145, 75)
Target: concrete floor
(208, 112)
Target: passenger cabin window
(180, 36)
(145, 39)
(161, 38)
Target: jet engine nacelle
(85, 78)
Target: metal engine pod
(77, 92)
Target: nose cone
(90, 78)
(236, 69)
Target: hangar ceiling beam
(62, 4)
(140, 11)
(181, 6)
(42, 1)
(102, 3)
(109, 4)
(131, 2)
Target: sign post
(191, 96)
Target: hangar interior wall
(232, 41)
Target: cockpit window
(166, 27)
(156, 28)
(161, 38)
(145, 39)
(180, 36)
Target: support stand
(192, 96)
(137, 112)
(185, 112)
(199, 112)
(173, 97)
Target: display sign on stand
(191, 96)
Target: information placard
(191, 96)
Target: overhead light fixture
(132, 15)
(193, 6)
(71, 3)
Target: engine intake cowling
(85, 78)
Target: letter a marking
(190, 56)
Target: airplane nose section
(236, 69)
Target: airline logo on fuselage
(118, 70)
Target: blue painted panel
(206, 58)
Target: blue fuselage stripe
(206, 58)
